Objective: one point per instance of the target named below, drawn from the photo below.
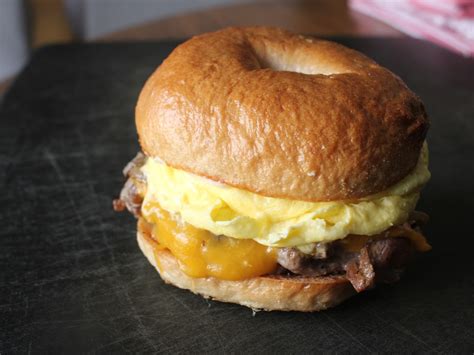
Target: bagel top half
(281, 115)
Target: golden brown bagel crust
(268, 293)
(281, 115)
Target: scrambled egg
(237, 213)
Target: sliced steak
(360, 271)
(389, 257)
(300, 263)
(380, 260)
(130, 198)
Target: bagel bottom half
(275, 292)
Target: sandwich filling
(221, 231)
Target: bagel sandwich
(277, 171)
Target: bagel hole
(273, 61)
(276, 64)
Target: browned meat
(389, 257)
(118, 205)
(130, 197)
(132, 169)
(360, 271)
(300, 263)
(380, 260)
(418, 218)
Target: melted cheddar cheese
(201, 253)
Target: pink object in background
(455, 8)
(448, 23)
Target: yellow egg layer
(237, 213)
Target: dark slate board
(72, 278)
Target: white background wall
(13, 37)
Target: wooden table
(318, 17)
(4, 85)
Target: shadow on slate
(73, 280)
